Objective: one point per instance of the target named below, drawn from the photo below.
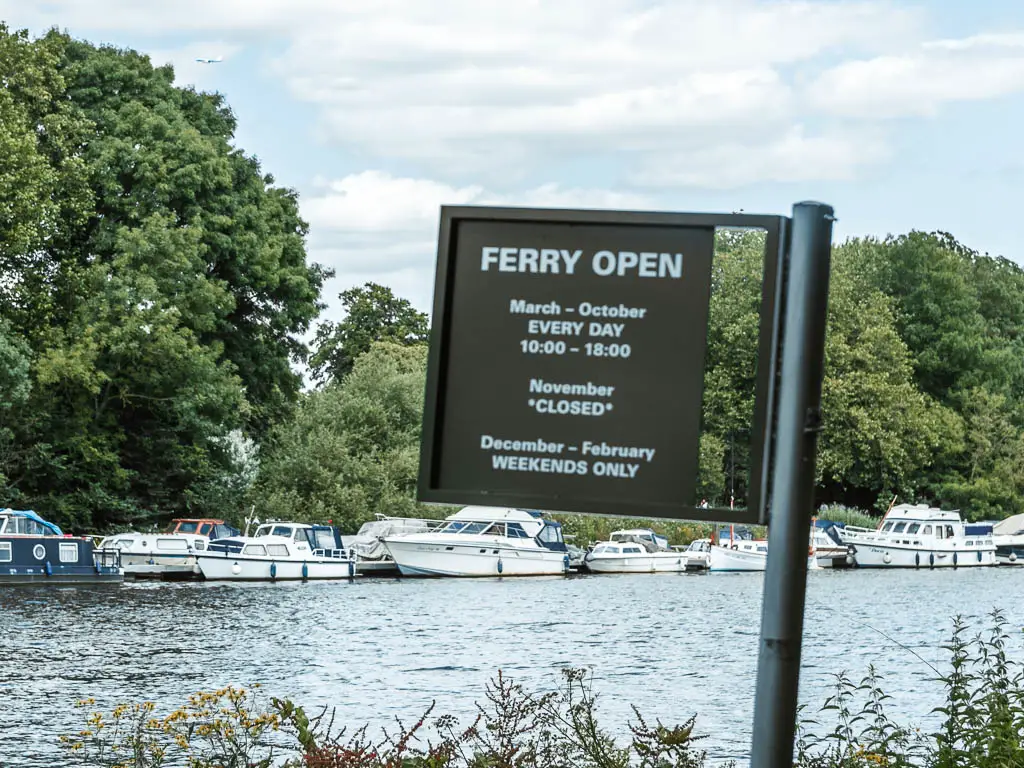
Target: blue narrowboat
(33, 550)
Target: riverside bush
(981, 726)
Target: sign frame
(776, 229)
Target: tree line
(155, 290)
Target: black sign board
(567, 360)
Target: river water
(673, 645)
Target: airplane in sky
(210, 61)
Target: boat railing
(431, 522)
(106, 558)
(860, 529)
(339, 554)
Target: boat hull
(726, 559)
(428, 558)
(889, 556)
(662, 562)
(156, 565)
(239, 568)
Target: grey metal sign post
(791, 505)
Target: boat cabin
(202, 526)
(647, 538)
(507, 523)
(34, 549)
(912, 524)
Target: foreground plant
(982, 716)
(226, 728)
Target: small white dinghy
(278, 551)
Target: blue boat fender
(49, 568)
(273, 570)
(351, 569)
(501, 566)
(565, 562)
(305, 571)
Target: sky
(901, 115)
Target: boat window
(199, 544)
(186, 527)
(254, 549)
(301, 536)
(762, 548)
(204, 529)
(914, 528)
(179, 545)
(516, 531)
(949, 531)
(263, 530)
(68, 552)
(887, 527)
(279, 550)
(496, 529)
(474, 528)
(454, 527)
(927, 531)
(324, 539)
(550, 534)
(282, 530)
(631, 550)
(5, 552)
(898, 528)
(646, 537)
(613, 550)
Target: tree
(352, 449)
(373, 313)
(881, 432)
(156, 275)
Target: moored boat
(1008, 536)
(484, 541)
(167, 555)
(919, 536)
(35, 550)
(641, 550)
(278, 551)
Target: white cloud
(919, 83)
(375, 226)
(498, 90)
(792, 157)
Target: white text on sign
(562, 261)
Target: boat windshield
(461, 527)
(274, 530)
(187, 526)
(23, 525)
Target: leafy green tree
(373, 313)
(158, 278)
(352, 449)
(880, 430)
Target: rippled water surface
(671, 644)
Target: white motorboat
(641, 550)
(167, 555)
(1008, 536)
(919, 536)
(367, 547)
(484, 541)
(278, 551)
(740, 551)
